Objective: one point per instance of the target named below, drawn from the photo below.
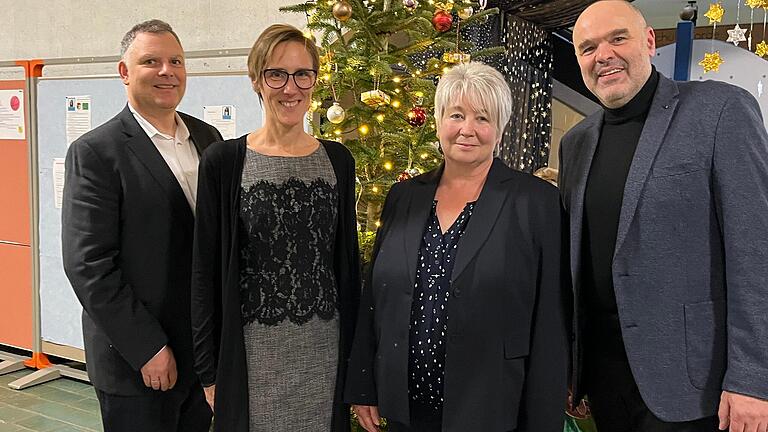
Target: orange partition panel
(14, 186)
(15, 259)
(16, 296)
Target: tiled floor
(62, 405)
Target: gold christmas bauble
(342, 10)
(466, 12)
(335, 113)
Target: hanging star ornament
(715, 13)
(711, 62)
(762, 49)
(755, 3)
(736, 35)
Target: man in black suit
(127, 224)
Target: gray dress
(288, 213)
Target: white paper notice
(78, 110)
(12, 114)
(222, 117)
(58, 181)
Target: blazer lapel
(483, 219)
(139, 143)
(581, 165)
(195, 134)
(417, 214)
(656, 124)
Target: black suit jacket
(127, 247)
(507, 345)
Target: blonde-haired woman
(275, 273)
(462, 322)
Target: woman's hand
(581, 411)
(368, 417)
(210, 394)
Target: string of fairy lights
(528, 64)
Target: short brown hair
(154, 26)
(274, 35)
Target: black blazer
(507, 344)
(127, 247)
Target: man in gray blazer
(666, 190)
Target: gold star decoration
(755, 3)
(761, 49)
(715, 13)
(711, 62)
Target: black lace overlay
(286, 251)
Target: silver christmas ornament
(336, 113)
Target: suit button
(456, 292)
(395, 344)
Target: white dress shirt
(178, 152)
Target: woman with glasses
(275, 280)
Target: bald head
(598, 14)
(614, 5)
(614, 46)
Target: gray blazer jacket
(690, 268)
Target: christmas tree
(380, 62)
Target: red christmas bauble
(408, 174)
(442, 21)
(417, 116)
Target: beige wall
(78, 28)
(563, 118)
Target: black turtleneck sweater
(602, 207)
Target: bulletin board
(60, 309)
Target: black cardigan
(216, 321)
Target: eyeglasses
(278, 78)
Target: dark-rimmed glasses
(278, 78)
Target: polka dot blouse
(429, 320)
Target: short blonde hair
(262, 49)
(482, 86)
